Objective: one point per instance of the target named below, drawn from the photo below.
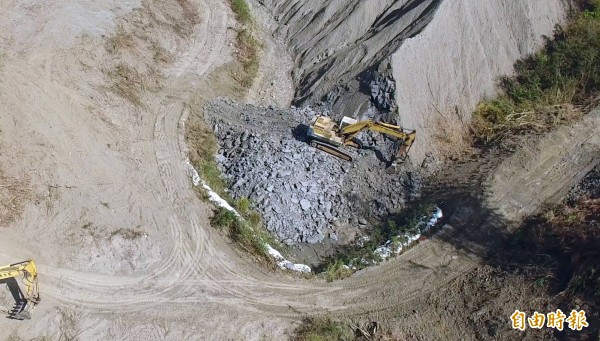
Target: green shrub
(241, 233)
(322, 329)
(362, 254)
(223, 218)
(210, 173)
(242, 11)
(336, 271)
(204, 144)
(248, 47)
(255, 219)
(249, 55)
(549, 85)
(242, 205)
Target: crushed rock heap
(303, 194)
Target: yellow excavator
(24, 301)
(326, 135)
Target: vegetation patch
(337, 270)
(247, 45)
(570, 234)
(128, 234)
(242, 11)
(248, 53)
(120, 41)
(14, 195)
(204, 145)
(560, 250)
(327, 329)
(550, 87)
(133, 41)
(350, 258)
(160, 54)
(191, 15)
(251, 238)
(128, 83)
(246, 231)
(322, 329)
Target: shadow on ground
(554, 255)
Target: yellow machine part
(331, 136)
(331, 150)
(30, 297)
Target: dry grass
(14, 195)
(452, 135)
(120, 41)
(248, 54)
(182, 15)
(128, 83)
(499, 120)
(327, 329)
(68, 329)
(550, 87)
(252, 239)
(191, 14)
(247, 45)
(13, 336)
(561, 248)
(322, 329)
(128, 234)
(160, 54)
(142, 37)
(203, 143)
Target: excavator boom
(407, 136)
(327, 136)
(25, 301)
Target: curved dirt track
(117, 169)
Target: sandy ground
(124, 246)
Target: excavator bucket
(22, 310)
(27, 299)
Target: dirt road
(123, 243)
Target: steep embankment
(334, 41)
(445, 56)
(445, 71)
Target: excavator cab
(25, 300)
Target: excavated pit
(357, 59)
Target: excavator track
(330, 150)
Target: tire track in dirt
(183, 256)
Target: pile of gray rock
(383, 91)
(589, 187)
(301, 192)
